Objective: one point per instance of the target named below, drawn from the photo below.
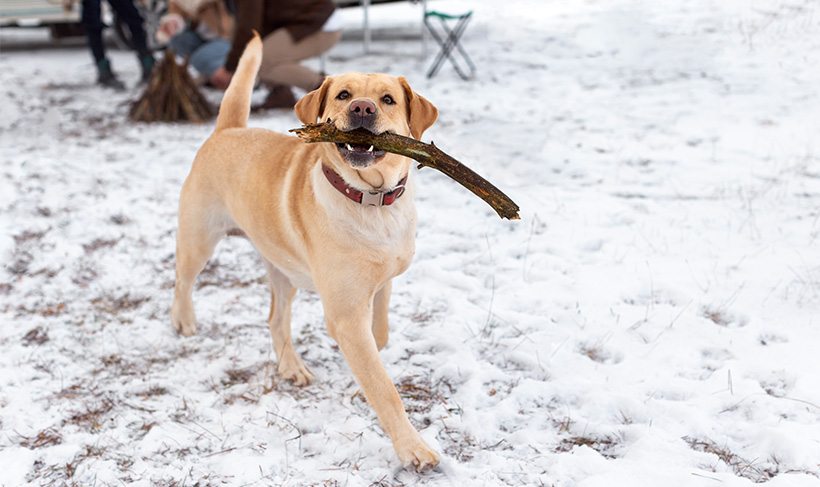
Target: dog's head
(376, 102)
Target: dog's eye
(344, 95)
(388, 100)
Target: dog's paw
(417, 454)
(292, 368)
(184, 329)
(183, 319)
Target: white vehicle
(63, 18)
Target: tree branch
(425, 154)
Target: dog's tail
(236, 104)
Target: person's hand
(169, 26)
(221, 78)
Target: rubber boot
(106, 77)
(147, 63)
(280, 96)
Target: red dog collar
(366, 198)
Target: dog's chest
(359, 258)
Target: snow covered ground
(652, 320)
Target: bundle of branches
(171, 96)
(425, 154)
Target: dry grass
(45, 438)
(215, 274)
(35, 336)
(716, 316)
(62, 475)
(383, 482)
(115, 305)
(153, 391)
(458, 444)
(722, 317)
(253, 382)
(239, 376)
(739, 465)
(99, 243)
(85, 274)
(22, 256)
(594, 353)
(43, 309)
(92, 417)
(28, 236)
(603, 444)
(420, 395)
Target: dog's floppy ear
(421, 113)
(312, 105)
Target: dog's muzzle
(359, 155)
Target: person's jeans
(206, 56)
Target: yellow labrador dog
(334, 218)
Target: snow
(651, 320)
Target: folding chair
(448, 38)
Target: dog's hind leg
(291, 366)
(381, 303)
(196, 240)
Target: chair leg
(454, 37)
(448, 45)
(440, 57)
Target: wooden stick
(425, 154)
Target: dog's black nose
(363, 108)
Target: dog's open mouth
(359, 154)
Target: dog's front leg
(351, 327)
(381, 304)
(290, 366)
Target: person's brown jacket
(300, 17)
